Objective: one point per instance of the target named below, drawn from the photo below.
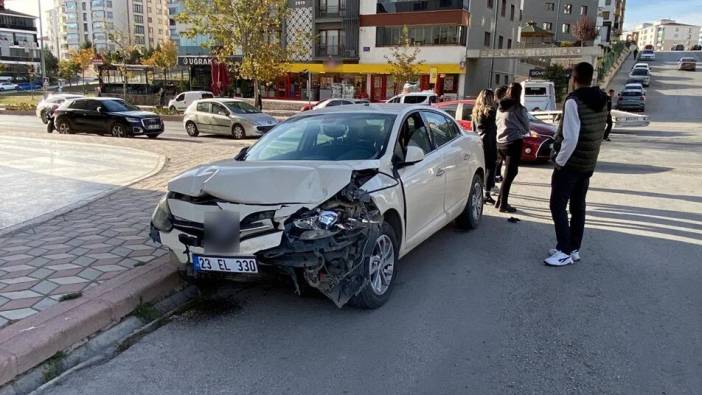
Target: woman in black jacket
(483, 119)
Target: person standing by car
(161, 96)
(512, 127)
(483, 117)
(610, 121)
(499, 95)
(576, 148)
(636, 53)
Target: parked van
(538, 95)
(183, 100)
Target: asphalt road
(478, 312)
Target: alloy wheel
(382, 264)
(191, 129)
(238, 132)
(64, 128)
(117, 130)
(476, 201)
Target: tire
(44, 117)
(119, 130)
(152, 136)
(473, 212)
(238, 132)
(191, 129)
(64, 127)
(380, 286)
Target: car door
(94, 121)
(423, 182)
(203, 117)
(179, 102)
(76, 115)
(221, 123)
(446, 137)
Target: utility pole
(494, 40)
(41, 45)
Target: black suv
(106, 115)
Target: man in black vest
(576, 148)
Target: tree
(126, 49)
(67, 70)
(83, 59)
(51, 63)
(584, 30)
(252, 28)
(403, 60)
(165, 57)
(559, 76)
(87, 44)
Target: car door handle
(440, 171)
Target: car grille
(252, 225)
(264, 129)
(151, 121)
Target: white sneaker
(559, 259)
(575, 254)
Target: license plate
(225, 264)
(154, 127)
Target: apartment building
(665, 34)
(560, 16)
(143, 23)
(610, 21)
(19, 48)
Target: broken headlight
(318, 226)
(162, 218)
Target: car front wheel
(119, 130)
(381, 269)
(64, 127)
(238, 132)
(191, 129)
(473, 212)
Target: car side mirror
(242, 154)
(222, 113)
(100, 110)
(414, 155)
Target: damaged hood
(269, 182)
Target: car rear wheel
(119, 130)
(191, 129)
(473, 212)
(238, 132)
(44, 117)
(64, 127)
(381, 269)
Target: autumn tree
(252, 28)
(67, 70)
(584, 30)
(165, 57)
(126, 51)
(403, 60)
(83, 59)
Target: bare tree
(584, 30)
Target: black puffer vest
(592, 110)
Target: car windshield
(240, 107)
(326, 137)
(535, 91)
(639, 72)
(118, 106)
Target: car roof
(380, 108)
(418, 94)
(685, 59)
(220, 100)
(455, 102)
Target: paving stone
(45, 287)
(108, 268)
(62, 256)
(68, 280)
(17, 314)
(68, 288)
(121, 251)
(137, 247)
(67, 272)
(104, 255)
(3, 322)
(21, 303)
(41, 273)
(16, 268)
(78, 251)
(38, 261)
(16, 248)
(19, 294)
(64, 266)
(83, 260)
(44, 304)
(114, 242)
(90, 274)
(19, 286)
(3, 300)
(76, 242)
(16, 280)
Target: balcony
(330, 9)
(391, 7)
(335, 51)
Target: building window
(547, 26)
(550, 6)
(566, 28)
(421, 35)
(509, 43)
(487, 41)
(497, 79)
(511, 12)
(500, 42)
(503, 11)
(138, 29)
(331, 7)
(583, 10)
(138, 19)
(138, 8)
(490, 3)
(567, 9)
(605, 15)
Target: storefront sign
(537, 73)
(194, 60)
(433, 74)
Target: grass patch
(20, 100)
(146, 312)
(54, 366)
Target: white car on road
(332, 198)
(47, 106)
(8, 86)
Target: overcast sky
(637, 11)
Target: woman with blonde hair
(483, 119)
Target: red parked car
(537, 147)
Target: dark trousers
(490, 151)
(568, 186)
(510, 154)
(608, 129)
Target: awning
(381, 68)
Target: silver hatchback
(228, 117)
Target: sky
(637, 11)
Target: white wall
(429, 54)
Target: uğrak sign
(195, 60)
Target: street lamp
(41, 45)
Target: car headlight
(162, 219)
(133, 120)
(318, 226)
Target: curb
(31, 341)
(84, 202)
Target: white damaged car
(332, 198)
